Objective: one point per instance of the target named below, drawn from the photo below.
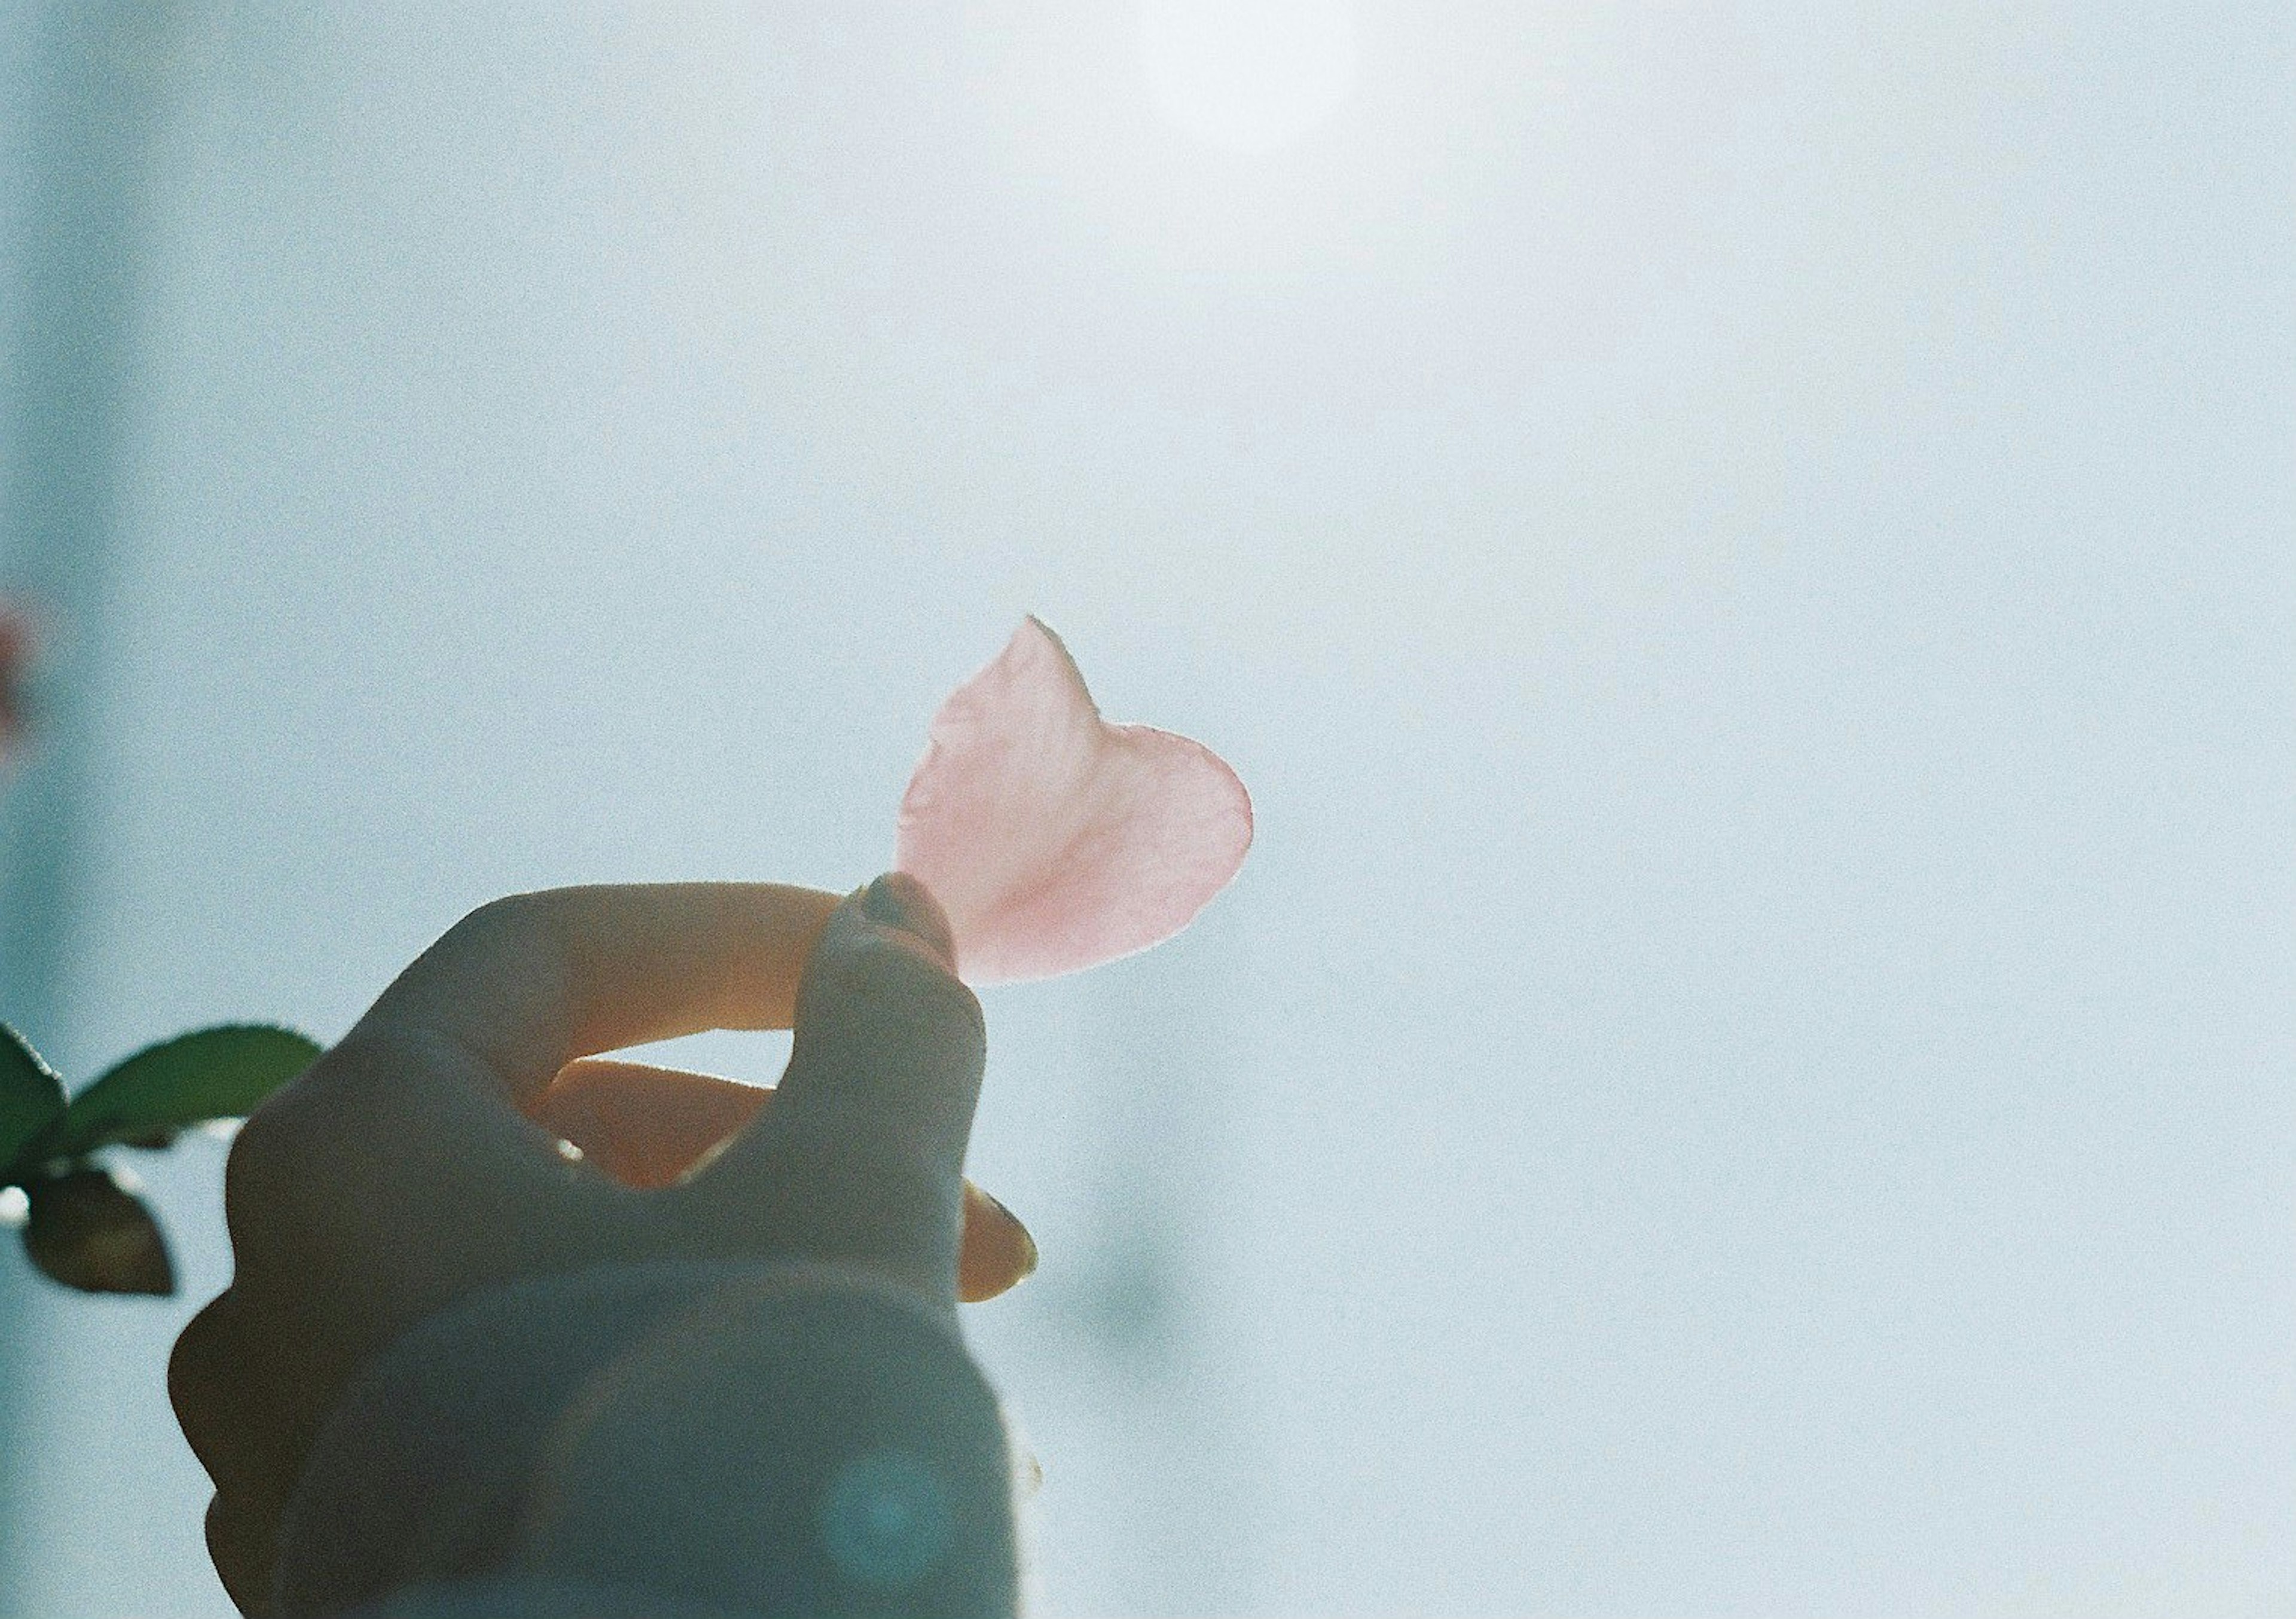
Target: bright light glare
(1248, 76)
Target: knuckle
(261, 1172)
(506, 913)
(488, 930)
(283, 1158)
(209, 1385)
(191, 1366)
(514, 925)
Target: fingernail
(1028, 1242)
(900, 901)
(883, 901)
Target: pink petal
(1053, 839)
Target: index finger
(526, 984)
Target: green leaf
(31, 1098)
(88, 1231)
(220, 1073)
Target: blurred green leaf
(219, 1073)
(31, 1096)
(88, 1231)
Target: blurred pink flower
(16, 649)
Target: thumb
(861, 1158)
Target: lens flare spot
(886, 1519)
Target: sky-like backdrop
(1747, 554)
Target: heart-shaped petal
(1053, 839)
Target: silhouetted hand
(420, 1162)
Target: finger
(490, 1013)
(862, 1156)
(997, 1254)
(209, 1385)
(244, 1546)
(531, 983)
(223, 1411)
(646, 1126)
(889, 1049)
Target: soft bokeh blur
(1744, 551)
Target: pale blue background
(1744, 552)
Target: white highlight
(1247, 75)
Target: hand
(419, 1161)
